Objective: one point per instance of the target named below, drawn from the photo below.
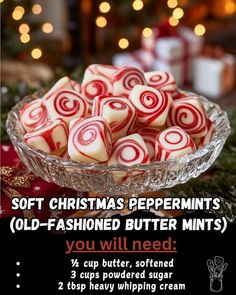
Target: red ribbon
(165, 30)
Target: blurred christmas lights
(172, 3)
(178, 13)
(24, 28)
(47, 28)
(25, 38)
(123, 43)
(137, 4)
(37, 9)
(104, 7)
(199, 30)
(147, 32)
(173, 21)
(230, 6)
(18, 13)
(36, 53)
(101, 21)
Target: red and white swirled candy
(149, 134)
(188, 114)
(125, 79)
(90, 140)
(50, 137)
(172, 143)
(118, 112)
(161, 80)
(76, 86)
(63, 83)
(95, 86)
(106, 71)
(33, 114)
(67, 104)
(129, 150)
(179, 94)
(151, 105)
(201, 141)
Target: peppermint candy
(118, 112)
(76, 86)
(179, 94)
(202, 141)
(49, 137)
(95, 86)
(125, 79)
(66, 104)
(33, 114)
(149, 135)
(89, 140)
(129, 150)
(173, 142)
(151, 105)
(161, 80)
(106, 71)
(188, 114)
(63, 83)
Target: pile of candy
(116, 116)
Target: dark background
(44, 264)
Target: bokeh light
(137, 4)
(199, 30)
(47, 28)
(24, 28)
(172, 3)
(101, 21)
(18, 13)
(25, 38)
(37, 9)
(173, 21)
(36, 53)
(123, 43)
(147, 32)
(104, 7)
(178, 13)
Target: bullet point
(17, 286)
(18, 275)
(18, 263)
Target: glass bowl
(101, 179)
